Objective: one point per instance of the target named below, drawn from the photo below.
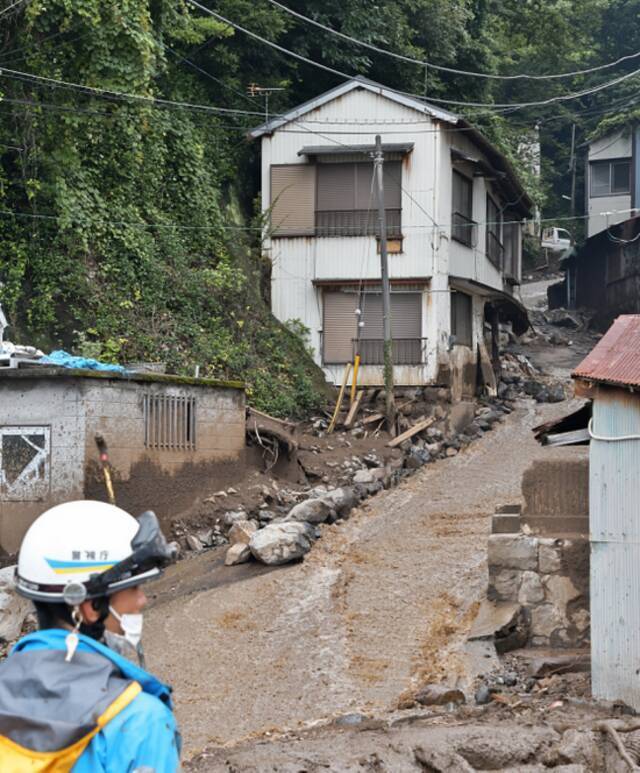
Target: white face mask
(131, 626)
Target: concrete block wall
(548, 577)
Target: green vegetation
(128, 230)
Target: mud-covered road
(381, 603)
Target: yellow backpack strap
(120, 703)
(17, 759)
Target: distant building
(612, 179)
(454, 211)
(603, 274)
(170, 440)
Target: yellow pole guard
(354, 380)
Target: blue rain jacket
(59, 698)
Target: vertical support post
(354, 379)
(572, 167)
(378, 161)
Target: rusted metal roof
(616, 357)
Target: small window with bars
(169, 422)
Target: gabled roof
(616, 357)
(345, 88)
(509, 180)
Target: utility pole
(378, 162)
(572, 167)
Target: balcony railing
(495, 250)
(405, 351)
(463, 229)
(357, 222)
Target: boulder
(241, 531)
(312, 511)
(194, 543)
(342, 500)
(363, 476)
(231, 516)
(13, 607)
(280, 543)
(237, 554)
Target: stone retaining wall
(548, 577)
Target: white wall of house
(617, 146)
(302, 264)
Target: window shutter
(372, 316)
(461, 318)
(339, 326)
(392, 176)
(293, 199)
(336, 187)
(406, 315)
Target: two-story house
(612, 178)
(454, 211)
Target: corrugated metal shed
(614, 505)
(616, 357)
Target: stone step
(556, 525)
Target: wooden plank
(568, 438)
(411, 432)
(353, 411)
(373, 418)
(378, 416)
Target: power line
(443, 68)
(9, 7)
(486, 105)
(113, 94)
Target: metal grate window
(169, 422)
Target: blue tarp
(63, 359)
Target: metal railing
(406, 351)
(357, 222)
(463, 229)
(495, 249)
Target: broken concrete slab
(493, 617)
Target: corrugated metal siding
(293, 197)
(339, 326)
(616, 357)
(614, 494)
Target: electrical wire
(453, 70)
(608, 439)
(9, 7)
(486, 105)
(113, 94)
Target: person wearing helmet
(74, 695)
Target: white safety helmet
(84, 550)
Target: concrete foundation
(538, 555)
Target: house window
(494, 248)
(25, 461)
(511, 238)
(293, 194)
(610, 178)
(343, 338)
(169, 422)
(346, 199)
(461, 318)
(462, 225)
